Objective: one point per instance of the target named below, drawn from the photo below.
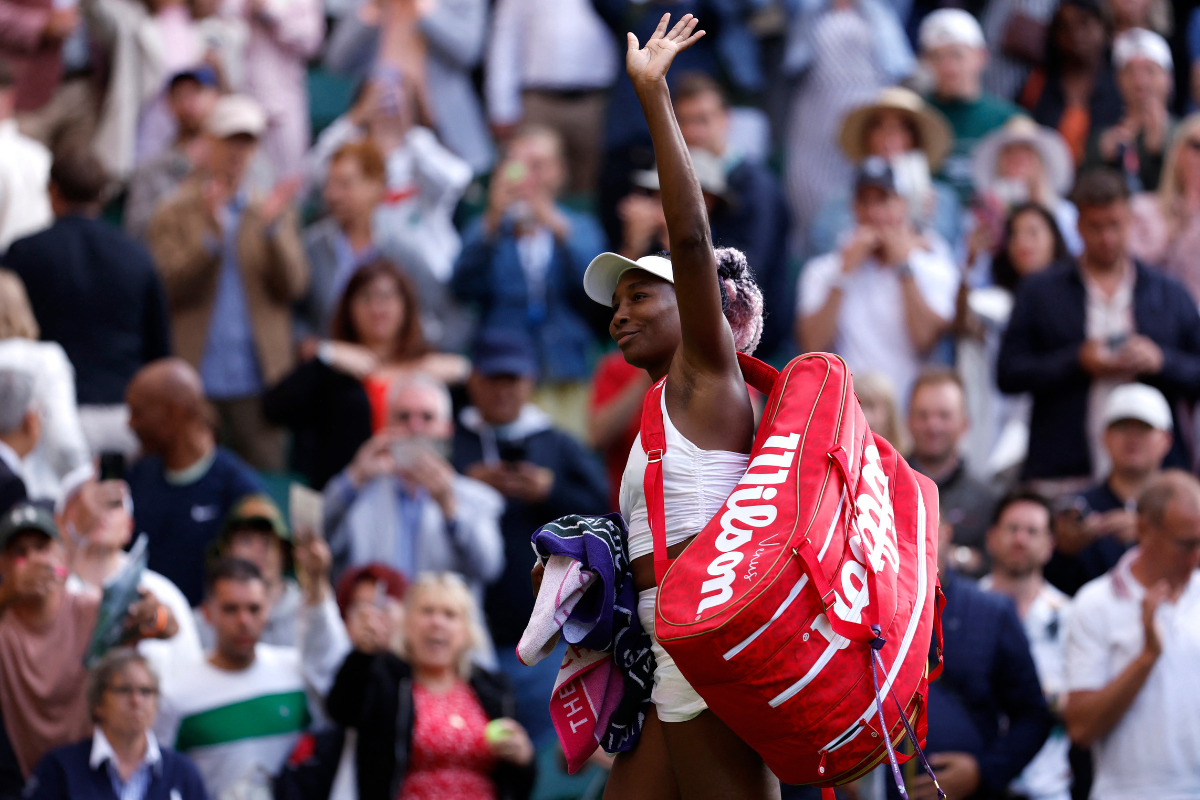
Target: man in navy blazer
(93, 289)
(1078, 331)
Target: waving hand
(650, 63)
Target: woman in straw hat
(914, 139)
(1025, 162)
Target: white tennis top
(696, 484)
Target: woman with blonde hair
(1166, 228)
(877, 397)
(430, 723)
(62, 447)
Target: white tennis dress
(696, 484)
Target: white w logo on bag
(875, 522)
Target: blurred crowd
(253, 244)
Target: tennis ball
(496, 732)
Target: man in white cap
(1138, 143)
(1102, 522)
(954, 50)
(233, 264)
(884, 299)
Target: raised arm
(707, 340)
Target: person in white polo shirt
(1133, 655)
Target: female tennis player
(684, 317)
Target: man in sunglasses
(401, 503)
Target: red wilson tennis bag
(810, 598)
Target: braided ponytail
(741, 299)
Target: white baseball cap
(235, 114)
(950, 26)
(1138, 401)
(1141, 43)
(606, 269)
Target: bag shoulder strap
(758, 374)
(654, 442)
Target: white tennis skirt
(673, 696)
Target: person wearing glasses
(122, 758)
(401, 502)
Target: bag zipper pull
(821, 766)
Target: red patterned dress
(450, 757)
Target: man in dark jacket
(754, 219)
(987, 714)
(507, 442)
(522, 266)
(1100, 524)
(95, 292)
(1079, 331)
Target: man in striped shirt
(239, 711)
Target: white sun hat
(1051, 147)
(606, 269)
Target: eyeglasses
(125, 692)
(380, 295)
(408, 416)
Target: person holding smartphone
(401, 503)
(1079, 332)
(522, 265)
